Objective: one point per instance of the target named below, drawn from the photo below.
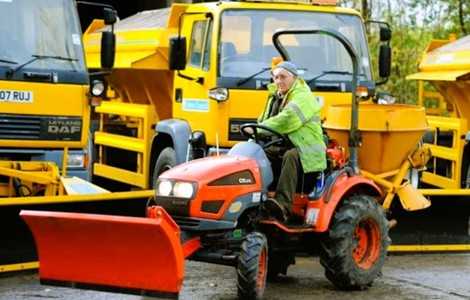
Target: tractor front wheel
(355, 250)
(252, 267)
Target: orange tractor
(211, 210)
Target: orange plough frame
(131, 255)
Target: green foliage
(414, 23)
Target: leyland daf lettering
(64, 126)
(16, 96)
(65, 129)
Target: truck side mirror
(177, 53)
(109, 16)
(385, 60)
(108, 46)
(385, 34)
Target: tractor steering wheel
(267, 141)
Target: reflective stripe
(301, 115)
(315, 119)
(297, 110)
(312, 148)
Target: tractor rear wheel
(252, 267)
(355, 250)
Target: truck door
(191, 89)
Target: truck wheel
(355, 250)
(467, 184)
(465, 177)
(165, 161)
(252, 267)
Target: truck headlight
(78, 160)
(220, 94)
(97, 88)
(385, 98)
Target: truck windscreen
(40, 36)
(246, 47)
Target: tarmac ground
(411, 276)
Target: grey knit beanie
(288, 66)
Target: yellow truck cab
(44, 97)
(202, 70)
(43, 85)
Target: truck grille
(44, 128)
(14, 127)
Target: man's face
(283, 80)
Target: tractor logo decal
(235, 207)
(180, 202)
(245, 180)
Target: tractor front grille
(185, 222)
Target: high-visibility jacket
(299, 119)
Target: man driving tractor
(294, 111)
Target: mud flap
(130, 255)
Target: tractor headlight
(164, 187)
(183, 190)
(177, 189)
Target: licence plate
(16, 96)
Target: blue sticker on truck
(200, 105)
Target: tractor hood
(213, 169)
(244, 156)
(221, 187)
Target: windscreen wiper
(36, 57)
(242, 81)
(327, 73)
(8, 61)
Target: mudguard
(121, 254)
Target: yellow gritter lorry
(168, 104)
(446, 65)
(45, 111)
(45, 107)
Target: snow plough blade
(143, 256)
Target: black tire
(165, 161)
(465, 174)
(150, 202)
(356, 249)
(279, 262)
(252, 267)
(467, 184)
